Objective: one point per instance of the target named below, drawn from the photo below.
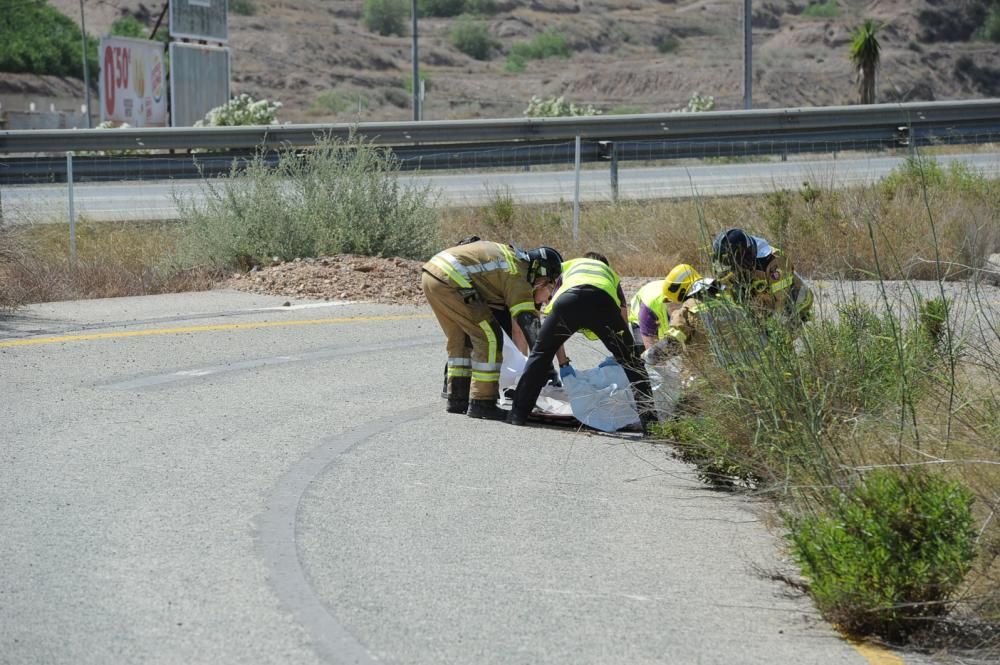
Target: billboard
(132, 82)
(199, 20)
(199, 81)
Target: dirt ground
(349, 277)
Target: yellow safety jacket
(650, 295)
(587, 272)
(489, 270)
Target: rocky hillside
(318, 59)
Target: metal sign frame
(180, 8)
(174, 71)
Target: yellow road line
(876, 655)
(34, 341)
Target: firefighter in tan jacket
(461, 284)
(761, 277)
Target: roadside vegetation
(873, 428)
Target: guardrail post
(72, 211)
(614, 172)
(576, 193)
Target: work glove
(607, 362)
(662, 351)
(566, 370)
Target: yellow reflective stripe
(509, 255)
(677, 334)
(486, 377)
(633, 309)
(526, 306)
(459, 371)
(491, 339)
(781, 284)
(451, 272)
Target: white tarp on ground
(598, 397)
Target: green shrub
(38, 39)
(386, 17)
(243, 7)
(337, 197)
(918, 172)
(515, 63)
(666, 43)
(440, 8)
(824, 9)
(991, 25)
(481, 7)
(425, 78)
(887, 553)
(473, 38)
(549, 44)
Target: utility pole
(416, 64)
(747, 54)
(86, 68)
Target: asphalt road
(152, 200)
(215, 478)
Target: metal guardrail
(509, 142)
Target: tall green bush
(889, 552)
(340, 196)
(473, 38)
(38, 39)
(386, 17)
(440, 8)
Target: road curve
(215, 478)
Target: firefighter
(588, 299)
(650, 308)
(761, 277)
(707, 320)
(462, 284)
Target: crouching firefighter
(707, 322)
(462, 284)
(589, 300)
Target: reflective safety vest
(488, 268)
(587, 272)
(650, 295)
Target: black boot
(458, 397)
(515, 418)
(486, 409)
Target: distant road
(156, 200)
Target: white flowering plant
(240, 111)
(697, 103)
(556, 107)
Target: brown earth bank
(393, 281)
(317, 58)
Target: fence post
(576, 193)
(72, 211)
(614, 172)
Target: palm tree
(865, 57)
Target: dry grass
(113, 259)
(827, 233)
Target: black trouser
(591, 308)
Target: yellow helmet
(678, 282)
